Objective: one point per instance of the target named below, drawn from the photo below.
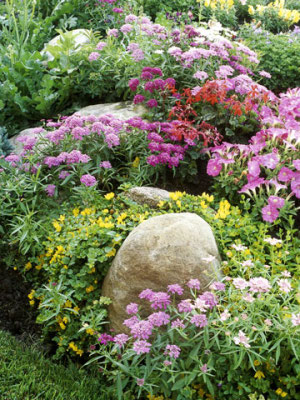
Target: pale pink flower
(200, 304)
(284, 285)
(268, 322)
(259, 285)
(193, 284)
(242, 339)
(295, 319)
(240, 283)
(247, 263)
(247, 297)
(225, 315)
(286, 274)
(238, 247)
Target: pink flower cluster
(270, 159)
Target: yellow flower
(90, 289)
(251, 10)
(176, 195)
(256, 363)
(56, 226)
(86, 211)
(28, 266)
(111, 253)
(203, 204)
(31, 294)
(259, 375)
(61, 218)
(68, 304)
(279, 391)
(79, 352)
(178, 203)
(76, 212)
(31, 302)
(109, 196)
(161, 203)
(90, 331)
(76, 309)
(136, 162)
(62, 325)
(38, 267)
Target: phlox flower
(172, 351)
(121, 339)
(160, 318)
(239, 247)
(265, 74)
(105, 165)
(88, 180)
(199, 320)
(152, 103)
(146, 294)
(284, 285)
(101, 45)
(295, 319)
(217, 286)
(141, 330)
(225, 315)
(248, 297)
(131, 321)
(141, 346)
(50, 190)
(178, 324)
(175, 288)
(241, 339)
(94, 56)
(113, 32)
(132, 308)
(209, 298)
(200, 75)
(185, 306)
(200, 305)
(240, 283)
(104, 338)
(259, 285)
(194, 284)
(160, 300)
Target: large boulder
(167, 249)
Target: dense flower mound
(199, 340)
(269, 166)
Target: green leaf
(179, 384)
(119, 387)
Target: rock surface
(18, 146)
(147, 195)
(163, 250)
(122, 110)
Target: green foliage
(5, 146)
(26, 374)
(278, 55)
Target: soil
(16, 315)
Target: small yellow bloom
(256, 363)
(68, 304)
(178, 203)
(28, 266)
(90, 331)
(176, 195)
(31, 302)
(76, 212)
(62, 325)
(76, 309)
(259, 375)
(61, 218)
(31, 294)
(79, 352)
(89, 289)
(111, 253)
(109, 196)
(136, 162)
(56, 226)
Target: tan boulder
(147, 195)
(167, 249)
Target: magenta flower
(117, 10)
(295, 186)
(204, 368)
(285, 174)
(265, 74)
(209, 298)
(126, 28)
(104, 338)
(269, 213)
(133, 84)
(296, 164)
(152, 103)
(276, 201)
(172, 351)
(199, 320)
(194, 284)
(217, 286)
(63, 174)
(254, 168)
(88, 180)
(146, 75)
(141, 346)
(50, 190)
(175, 289)
(214, 167)
(138, 99)
(132, 308)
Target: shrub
(278, 56)
(5, 146)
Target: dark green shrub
(279, 55)
(5, 146)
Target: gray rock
(167, 249)
(122, 110)
(147, 195)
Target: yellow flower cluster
(280, 392)
(176, 195)
(290, 16)
(223, 211)
(220, 4)
(30, 296)
(62, 322)
(73, 346)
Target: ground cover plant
(216, 98)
